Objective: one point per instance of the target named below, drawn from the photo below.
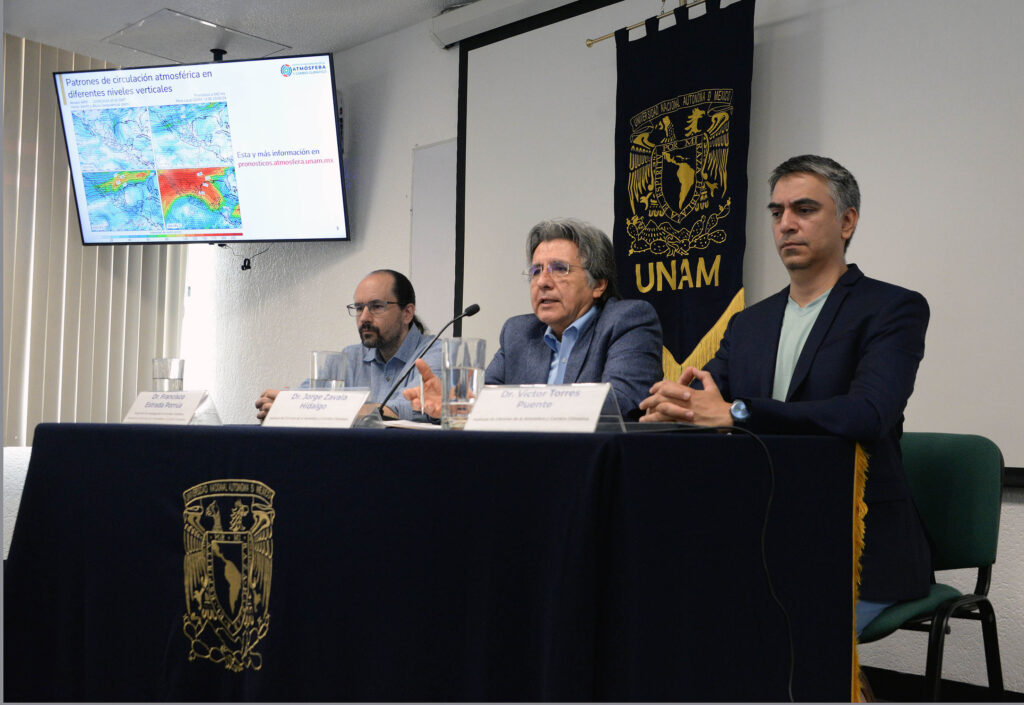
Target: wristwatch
(739, 411)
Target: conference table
(246, 563)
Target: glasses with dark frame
(376, 307)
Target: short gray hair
(594, 246)
(841, 185)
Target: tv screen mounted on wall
(232, 151)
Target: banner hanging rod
(687, 5)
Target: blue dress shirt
(562, 349)
(361, 366)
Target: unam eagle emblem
(228, 570)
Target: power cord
(672, 427)
(764, 551)
(246, 261)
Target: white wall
(397, 93)
(15, 469)
(921, 99)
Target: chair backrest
(957, 484)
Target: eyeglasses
(377, 307)
(555, 268)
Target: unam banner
(681, 135)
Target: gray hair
(841, 184)
(594, 246)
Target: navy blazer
(621, 346)
(853, 379)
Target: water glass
(462, 377)
(327, 370)
(168, 374)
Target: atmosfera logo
(286, 70)
(306, 68)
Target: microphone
(378, 419)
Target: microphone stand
(375, 419)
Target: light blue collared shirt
(562, 349)
(361, 366)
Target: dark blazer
(622, 346)
(853, 379)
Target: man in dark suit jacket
(580, 331)
(835, 352)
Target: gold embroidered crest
(678, 181)
(228, 570)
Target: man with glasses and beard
(391, 334)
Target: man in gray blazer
(580, 330)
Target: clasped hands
(677, 401)
(669, 401)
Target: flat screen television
(224, 152)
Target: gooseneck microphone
(471, 310)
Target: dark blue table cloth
(406, 565)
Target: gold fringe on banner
(708, 345)
(860, 510)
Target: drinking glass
(168, 374)
(327, 370)
(462, 376)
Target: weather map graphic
(199, 198)
(191, 134)
(113, 139)
(123, 201)
(162, 169)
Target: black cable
(764, 550)
(674, 427)
(246, 261)
(471, 310)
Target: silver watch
(739, 411)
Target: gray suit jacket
(622, 346)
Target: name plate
(316, 408)
(173, 408)
(573, 408)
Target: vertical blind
(81, 324)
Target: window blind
(80, 324)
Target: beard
(372, 337)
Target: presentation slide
(219, 152)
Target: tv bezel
(213, 240)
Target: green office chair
(957, 482)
